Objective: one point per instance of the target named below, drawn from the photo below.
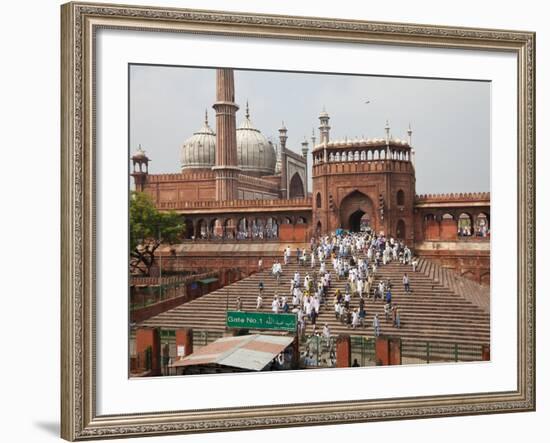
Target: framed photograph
(275, 221)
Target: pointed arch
(296, 186)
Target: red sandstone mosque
(237, 188)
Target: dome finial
(206, 116)
(247, 112)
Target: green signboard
(261, 320)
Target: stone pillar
(395, 351)
(382, 351)
(485, 353)
(149, 338)
(296, 352)
(184, 338)
(284, 177)
(388, 350)
(343, 351)
(226, 169)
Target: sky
(450, 119)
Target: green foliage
(147, 223)
(148, 229)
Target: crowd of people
(354, 258)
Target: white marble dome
(254, 152)
(199, 150)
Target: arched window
(447, 216)
(202, 228)
(400, 198)
(465, 225)
(296, 186)
(482, 225)
(362, 156)
(318, 200)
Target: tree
(148, 229)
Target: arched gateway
(356, 212)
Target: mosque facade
(236, 185)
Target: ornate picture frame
(80, 22)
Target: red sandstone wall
(371, 179)
(475, 265)
(294, 233)
(448, 229)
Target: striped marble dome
(199, 150)
(254, 152)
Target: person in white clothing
(326, 334)
(355, 319)
(259, 301)
(275, 305)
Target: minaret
(305, 150)
(284, 179)
(226, 169)
(409, 141)
(140, 163)
(324, 127)
(387, 129)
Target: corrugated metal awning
(252, 352)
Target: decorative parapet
(454, 197)
(257, 205)
(362, 143)
(188, 175)
(258, 181)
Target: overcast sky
(450, 119)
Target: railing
(147, 291)
(417, 351)
(414, 352)
(317, 351)
(363, 350)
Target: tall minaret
(226, 169)
(387, 130)
(409, 141)
(324, 127)
(284, 179)
(305, 150)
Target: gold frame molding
(79, 22)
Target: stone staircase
(466, 288)
(433, 311)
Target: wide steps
(432, 312)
